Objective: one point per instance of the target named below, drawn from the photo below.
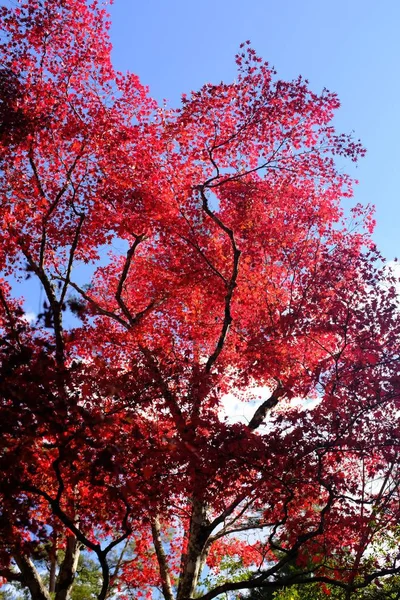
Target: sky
(351, 47)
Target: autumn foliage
(186, 256)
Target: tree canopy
(186, 256)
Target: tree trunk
(194, 559)
(31, 578)
(162, 560)
(68, 568)
(53, 565)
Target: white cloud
(30, 317)
(235, 409)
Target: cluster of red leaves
(238, 269)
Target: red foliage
(238, 270)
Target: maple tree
(237, 271)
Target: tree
(236, 271)
(86, 583)
(388, 590)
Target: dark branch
(54, 304)
(262, 410)
(96, 305)
(231, 284)
(71, 257)
(129, 256)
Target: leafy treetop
(238, 271)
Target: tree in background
(236, 271)
(86, 584)
(388, 588)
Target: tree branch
(166, 392)
(31, 577)
(96, 305)
(74, 246)
(68, 568)
(124, 274)
(11, 575)
(262, 410)
(162, 560)
(54, 304)
(232, 281)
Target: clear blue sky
(351, 47)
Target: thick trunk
(31, 578)
(68, 568)
(194, 559)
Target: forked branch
(230, 285)
(129, 256)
